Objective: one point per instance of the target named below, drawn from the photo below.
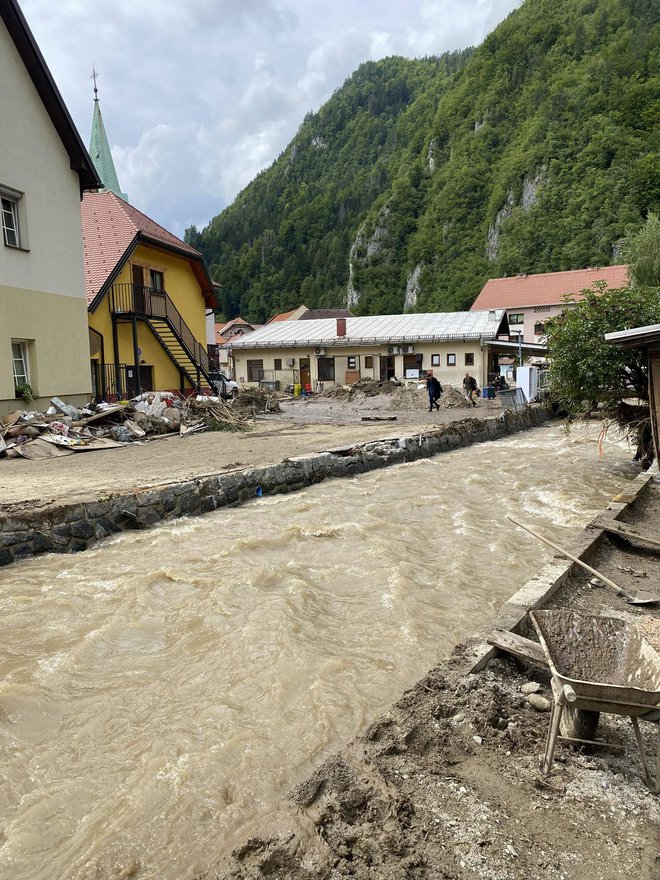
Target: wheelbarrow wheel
(578, 723)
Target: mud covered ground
(304, 426)
(447, 784)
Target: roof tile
(109, 226)
(548, 288)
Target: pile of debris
(253, 401)
(363, 388)
(452, 397)
(415, 397)
(65, 429)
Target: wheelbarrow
(599, 664)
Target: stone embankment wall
(75, 527)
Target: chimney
(341, 326)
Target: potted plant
(25, 391)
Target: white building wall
(455, 359)
(33, 161)
(42, 294)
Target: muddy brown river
(161, 690)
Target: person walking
(434, 389)
(470, 388)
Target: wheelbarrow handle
(570, 556)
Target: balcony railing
(148, 302)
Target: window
(20, 364)
(255, 371)
(10, 229)
(368, 362)
(469, 359)
(326, 368)
(539, 328)
(451, 360)
(156, 280)
(277, 363)
(435, 360)
(352, 362)
(518, 318)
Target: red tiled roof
(110, 225)
(283, 316)
(546, 289)
(222, 329)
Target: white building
(44, 168)
(341, 351)
(530, 300)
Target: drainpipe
(136, 356)
(115, 347)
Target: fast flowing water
(162, 689)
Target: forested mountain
(420, 179)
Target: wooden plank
(524, 649)
(616, 528)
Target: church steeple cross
(94, 76)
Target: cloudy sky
(199, 95)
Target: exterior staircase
(155, 308)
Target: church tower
(99, 149)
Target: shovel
(641, 597)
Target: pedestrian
(470, 388)
(434, 389)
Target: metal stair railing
(149, 302)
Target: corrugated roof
(110, 226)
(375, 330)
(635, 336)
(546, 289)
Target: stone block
(149, 499)
(95, 509)
(184, 488)
(189, 503)
(82, 529)
(41, 543)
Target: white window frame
(23, 358)
(13, 205)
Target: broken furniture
(599, 664)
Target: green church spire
(99, 149)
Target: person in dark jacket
(470, 388)
(434, 389)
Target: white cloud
(198, 96)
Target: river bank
(303, 427)
(447, 784)
(80, 508)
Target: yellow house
(44, 168)
(147, 294)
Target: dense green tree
(535, 152)
(587, 371)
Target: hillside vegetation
(420, 179)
